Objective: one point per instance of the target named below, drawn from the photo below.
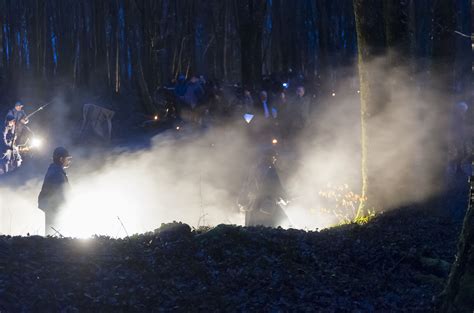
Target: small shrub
(343, 203)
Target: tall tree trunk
(444, 54)
(117, 67)
(135, 40)
(458, 296)
(323, 29)
(1, 47)
(463, 69)
(199, 36)
(396, 30)
(371, 43)
(251, 15)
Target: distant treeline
(141, 44)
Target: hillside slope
(394, 263)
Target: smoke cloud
(195, 177)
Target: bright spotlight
(274, 141)
(36, 142)
(156, 118)
(333, 94)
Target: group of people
(262, 198)
(278, 115)
(261, 203)
(14, 132)
(280, 110)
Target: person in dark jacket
(21, 120)
(55, 187)
(300, 108)
(262, 194)
(264, 108)
(19, 113)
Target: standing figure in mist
(11, 157)
(262, 194)
(55, 187)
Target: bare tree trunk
(251, 15)
(396, 30)
(136, 40)
(45, 40)
(444, 43)
(117, 60)
(371, 43)
(224, 54)
(458, 294)
(323, 29)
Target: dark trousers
(50, 221)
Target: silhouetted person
(10, 158)
(261, 196)
(180, 87)
(294, 115)
(194, 93)
(264, 107)
(179, 92)
(19, 113)
(55, 187)
(300, 107)
(244, 104)
(247, 101)
(21, 119)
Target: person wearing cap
(21, 119)
(55, 187)
(19, 114)
(11, 156)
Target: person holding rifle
(19, 113)
(21, 119)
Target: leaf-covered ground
(394, 263)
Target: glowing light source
(36, 142)
(156, 118)
(358, 91)
(274, 141)
(177, 127)
(248, 118)
(333, 94)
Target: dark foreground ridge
(397, 262)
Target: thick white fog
(196, 178)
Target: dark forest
(241, 156)
(137, 46)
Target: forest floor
(398, 262)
